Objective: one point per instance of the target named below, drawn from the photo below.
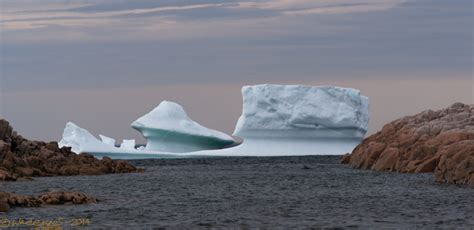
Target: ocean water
(250, 192)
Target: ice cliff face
(304, 111)
(81, 140)
(168, 128)
(282, 120)
(128, 144)
(107, 140)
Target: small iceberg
(80, 140)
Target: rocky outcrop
(9, 200)
(432, 141)
(22, 158)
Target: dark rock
(4, 206)
(456, 163)
(387, 160)
(4, 147)
(33, 161)
(345, 159)
(25, 158)
(8, 200)
(305, 167)
(90, 170)
(432, 141)
(5, 129)
(53, 146)
(23, 171)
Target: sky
(104, 63)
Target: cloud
(145, 20)
(323, 6)
(211, 41)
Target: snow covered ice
(168, 128)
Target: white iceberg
(280, 120)
(128, 144)
(168, 128)
(302, 111)
(276, 120)
(81, 140)
(107, 140)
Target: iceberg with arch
(276, 120)
(167, 128)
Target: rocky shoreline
(9, 200)
(432, 141)
(22, 159)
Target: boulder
(4, 147)
(387, 161)
(59, 197)
(5, 129)
(52, 146)
(456, 163)
(4, 206)
(432, 141)
(24, 171)
(8, 200)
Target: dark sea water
(241, 193)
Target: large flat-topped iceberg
(279, 120)
(168, 128)
(302, 111)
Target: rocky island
(432, 141)
(22, 159)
